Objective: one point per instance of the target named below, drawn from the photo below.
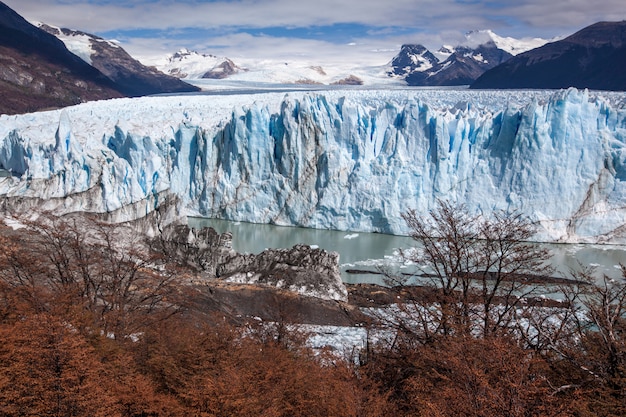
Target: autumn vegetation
(94, 323)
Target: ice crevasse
(344, 160)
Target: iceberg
(351, 160)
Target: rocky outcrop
(349, 80)
(301, 269)
(201, 250)
(222, 70)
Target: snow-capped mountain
(186, 64)
(339, 159)
(133, 78)
(594, 57)
(412, 58)
(460, 65)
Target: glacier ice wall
(338, 160)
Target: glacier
(349, 160)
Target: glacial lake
(373, 251)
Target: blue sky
(324, 30)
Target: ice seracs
(346, 160)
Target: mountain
(459, 65)
(37, 71)
(188, 64)
(335, 159)
(594, 57)
(412, 58)
(462, 67)
(132, 77)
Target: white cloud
(430, 22)
(241, 47)
(248, 13)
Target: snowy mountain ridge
(345, 160)
(200, 68)
(468, 61)
(192, 65)
(459, 65)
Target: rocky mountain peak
(459, 65)
(411, 58)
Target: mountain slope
(37, 71)
(594, 57)
(133, 78)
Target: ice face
(346, 160)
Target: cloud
(244, 48)
(237, 26)
(115, 15)
(426, 15)
(569, 15)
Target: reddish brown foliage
(216, 370)
(85, 332)
(466, 376)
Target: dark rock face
(132, 77)
(301, 269)
(349, 80)
(222, 70)
(38, 72)
(240, 302)
(594, 57)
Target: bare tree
(595, 342)
(102, 269)
(477, 272)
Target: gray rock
(301, 269)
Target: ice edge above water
(344, 160)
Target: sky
(361, 31)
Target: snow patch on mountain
(79, 43)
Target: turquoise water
(373, 251)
